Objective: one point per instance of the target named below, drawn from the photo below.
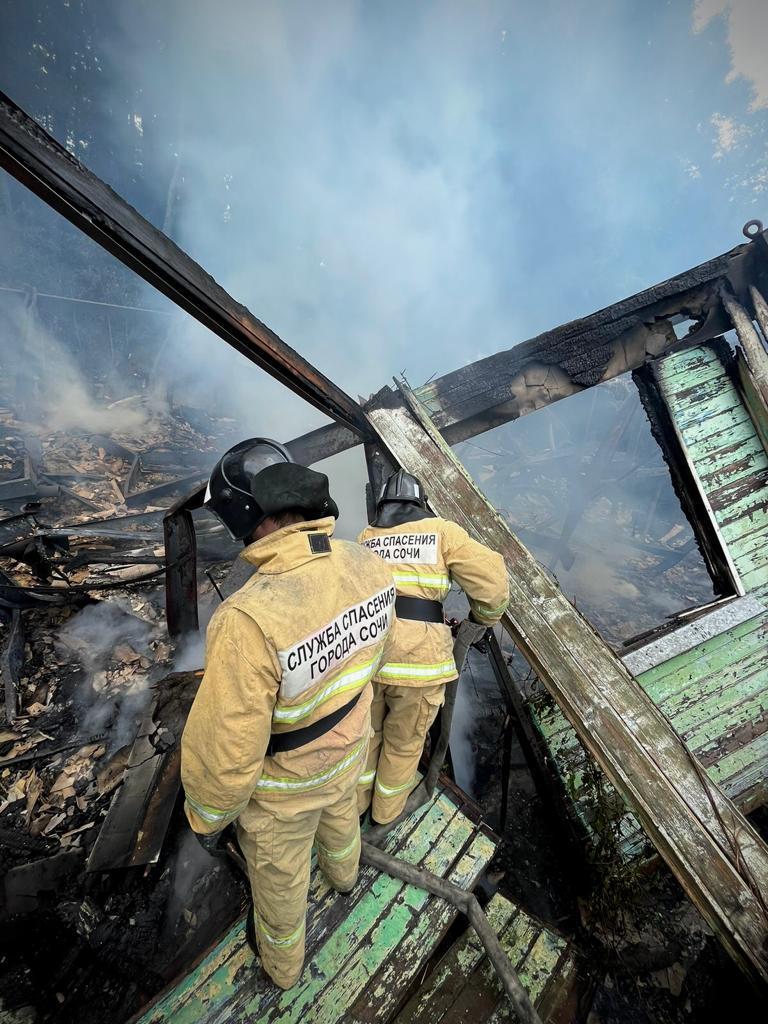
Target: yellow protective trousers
(401, 717)
(276, 838)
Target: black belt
(419, 608)
(281, 741)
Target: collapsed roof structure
(685, 780)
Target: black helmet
(229, 495)
(404, 487)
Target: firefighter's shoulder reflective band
(268, 783)
(419, 579)
(213, 815)
(394, 671)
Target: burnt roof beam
(603, 345)
(36, 160)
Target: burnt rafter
(603, 345)
(47, 169)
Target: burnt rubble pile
(104, 899)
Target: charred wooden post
(11, 662)
(750, 341)
(181, 567)
(717, 856)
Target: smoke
(190, 865)
(49, 385)
(109, 642)
(190, 653)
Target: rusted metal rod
(466, 902)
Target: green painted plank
(428, 1005)
(756, 541)
(722, 405)
(695, 403)
(701, 371)
(479, 996)
(382, 996)
(358, 928)
(385, 935)
(719, 471)
(535, 973)
(693, 670)
(752, 757)
(755, 579)
(686, 360)
(715, 728)
(717, 423)
(717, 445)
(688, 659)
(217, 978)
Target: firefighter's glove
(469, 633)
(214, 844)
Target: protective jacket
(426, 554)
(302, 638)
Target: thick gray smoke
(114, 691)
(51, 389)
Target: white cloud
(729, 134)
(747, 22)
(692, 170)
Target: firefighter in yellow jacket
(278, 733)
(426, 554)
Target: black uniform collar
(398, 513)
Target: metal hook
(752, 229)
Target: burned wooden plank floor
(364, 951)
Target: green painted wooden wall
(716, 694)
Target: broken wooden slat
(717, 856)
(135, 825)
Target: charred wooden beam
(36, 160)
(719, 859)
(181, 567)
(11, 660)
(585, 352)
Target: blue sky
(410, 186)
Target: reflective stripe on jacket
(298, 641)
(426, 555)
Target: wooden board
(463, 986)
(697, 830)
(363, 950)
(611, 341)
(715, 692)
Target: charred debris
(109, 568)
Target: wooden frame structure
(719, 859)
